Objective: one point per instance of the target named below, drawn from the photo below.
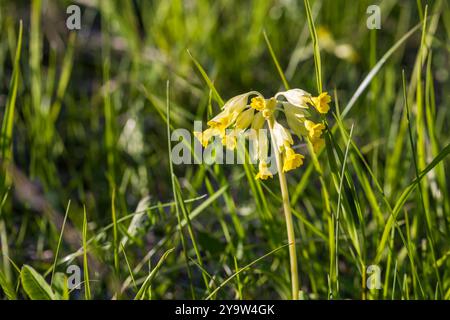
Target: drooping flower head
(298, 106)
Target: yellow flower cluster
(298, 107)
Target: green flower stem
(287, 215)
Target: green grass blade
(275, 61)
(373, 72)
(8, 118)
(316, 49)
(59, 244)
(148, 281)
(174, 191)
(404, 197)
(207, 80)
(87, 287)
(115, 232)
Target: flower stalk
(287, 215)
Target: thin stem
(287, 215)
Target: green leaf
(60, 286)
(7, 288)
(35, 285)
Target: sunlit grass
(87, 178)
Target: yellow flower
(317, 143)
(321, 102)
(295, 119)
(269, 108)
(296, 97)
(205, 136)
(314, 129)
(282, 137)
(264, 171)
(258, 103)
(237, 103)
(292, 160)
(238, 115)
(245, 119)
(230, 112)
(222, 121)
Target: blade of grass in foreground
(174, 191)
(115, 234)
(430, 103)
(419, 185)
(316, 49)
(64, 78)
(59, 244)
(130, 271)
(148, 281)
(334, 270)
(87, 288)
(403, 197)
(275, 60)
(206, 78)
(108, 110)
(8, 118)
(377, 68)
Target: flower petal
(258, 121)
(296, 97)
(264, 171)
(282, 136)
(295, 118)
(245, 119)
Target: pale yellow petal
(258, 121)
(296, 97)
(264, 171)
(245, 119)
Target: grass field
(89, 194)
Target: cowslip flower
(298, 106)
(314, 129)
(292, 160)
(299, 109)
(264, 171)
(321, 102)
(315, 132)
(206, 135)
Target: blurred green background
(90, 127)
